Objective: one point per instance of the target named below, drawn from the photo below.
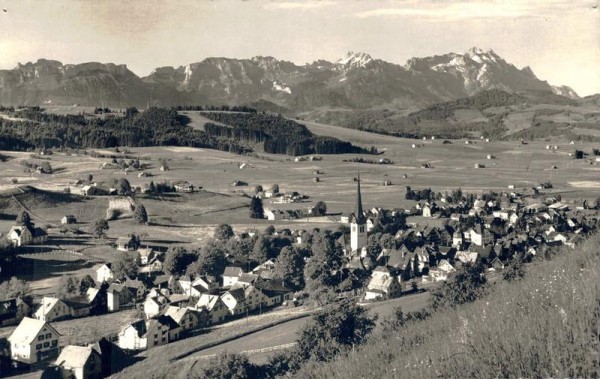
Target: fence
(256, 351)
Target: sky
(558, 39)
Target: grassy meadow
(544, 325)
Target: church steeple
(358, 212)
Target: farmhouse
(186, 318)
(23, 235)
(68, 219)
(33, 341)
(382, 285)
(183, 186)
(79, 362)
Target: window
(54, 343)
(38, 346)
(46, 344)
(40, 338)
(48, 336)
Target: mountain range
(356, 82)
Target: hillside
(492, 113)
(354, 82)
(544, 325)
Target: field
(191, 218)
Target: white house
(104, 273)
(79, 362)
(52, 309)
(217, 310)
(235, 300)
(33, 341)
(186, 318)
(382, 285)
(22, 235)
(231, 275)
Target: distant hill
(491, 113)
(354, 82)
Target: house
(145, 255)
(79, 362)
(235, 300)
(197, 286)
(126, 243)
(23, 235)
(33, 341)
(441, 272)
(247, 279)
(217, 310)
(231, 275)
(382, 285)
(52, 309)
(186, 318)
(153, 306)
(183, 186)
(93, 190)
(118, 295)
(12, 311)
(136, 287)
(275, 291)
(274, 214)
(254, 298)
(104, 273)
(142, 335)
(265, 269)
(68, 219)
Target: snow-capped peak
(352, 59)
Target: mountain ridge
(355, 81)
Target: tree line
(278, 134)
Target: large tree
(67, 286)
(256, 208)
(125, 265)
(337, 328)
(140, 215)
(290, 268)
(212, 260)
(24, 219)
(223, 232)
(226, 365)
(13, 288)
(325, 259)
(178, 259)
(100, 228)
(262, 249)
(123, 187)
(320, 209)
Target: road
(287, 332)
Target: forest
(279, 135)
(162, 127)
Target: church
(358, 225)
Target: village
(381, 254)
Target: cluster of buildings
(491, 230)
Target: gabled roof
(176, 313)
(237, 293)
(28, 330)
(232, 271)
(74, 356)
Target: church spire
(359, 214)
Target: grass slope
(545, 325)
